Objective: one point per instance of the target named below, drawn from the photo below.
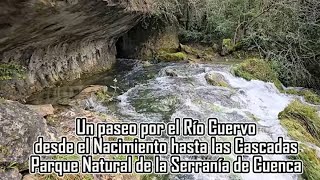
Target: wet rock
(43, 110)
(12, 174)
(216, 79)
(171, 57)
(87, 92)
(30, 177)
(171, 72)
(19, 129)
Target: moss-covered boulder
(169, 57)
(311, 163)
(303, 124)
(216, 79)
(257, 69)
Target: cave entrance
(120, 46)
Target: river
(151, 94)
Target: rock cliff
(56, 40)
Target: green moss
(227, 43)
(311, 163)
(11, 71)
(103, 96)
(292, 91)
(168, 56)
(4, 151)
(302, 122)
(309, 95)
(190, 50)
(297, 131)
(257, 69)
(216, 80)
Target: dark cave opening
(120, 46)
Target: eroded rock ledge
(58, 40)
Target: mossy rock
(257, 69)
(228, 47)
(302, 122)
(311, 163)
(190, 50)
(169, 56)
(309, 95)
(216, 79)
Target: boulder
(19, 129)
(12, 174)
(43, 110)
(87, 92)
(216, 79)
(171, 72)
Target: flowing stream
(151, 94)
(188, 94)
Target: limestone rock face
(54, 41)
(19, 129)
(149, 38)
(12, 174)
(43, 110)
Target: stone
(216, 79)
(19, 129)
(171, 72)
(43, 110)
(87, 92)
(12, 174)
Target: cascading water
(181, 90)
(163, 92)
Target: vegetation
(257, 69)
(168, 56)
(309, 95)
(283, 31)
(303, 124)
(311, 163)
(11, 71)
(105, 96)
